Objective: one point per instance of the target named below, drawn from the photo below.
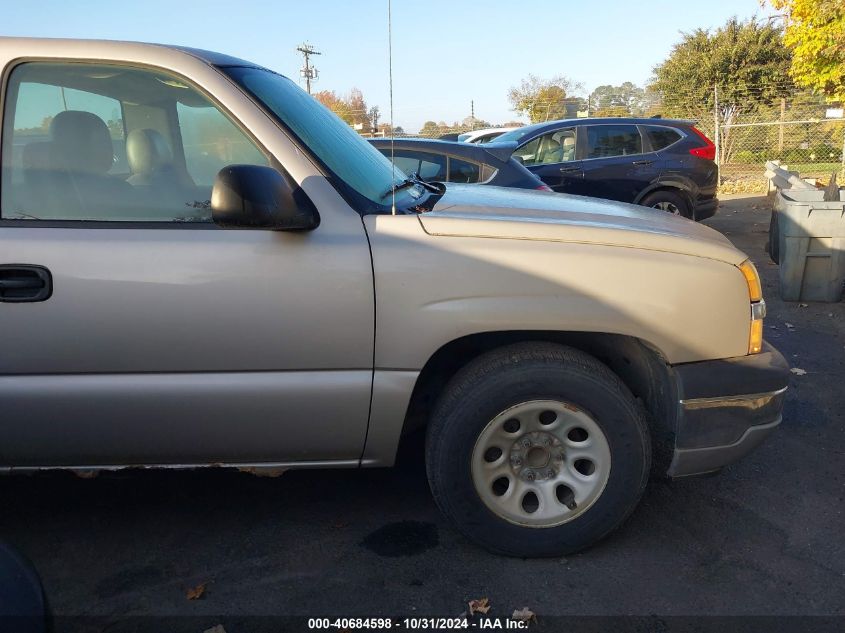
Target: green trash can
(811, 245)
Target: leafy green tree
(542, 100)
(815, 31)
(626, 99)
(746, 62)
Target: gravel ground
(762, 538)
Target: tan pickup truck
(202, 266)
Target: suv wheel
(537, 450)
(669, 201)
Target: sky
(447, 54)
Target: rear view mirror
(256, 197)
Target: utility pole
(472, 114)
(308, 71)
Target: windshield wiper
(411, 180)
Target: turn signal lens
(755, 290)
(758, 306)
(755, 339)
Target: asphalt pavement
(764, 537)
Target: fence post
(780, 128)
(716, 131)
(843, 151)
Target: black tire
(773, 246)
(666, 196)
(519, 373)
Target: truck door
(136, 331)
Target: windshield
(342, 151)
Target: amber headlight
(758, 306)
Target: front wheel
(670, 201)
(537, 450)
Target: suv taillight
(544, 187)
(708, 151)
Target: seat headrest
(81, 142)
(147, 151)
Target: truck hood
(499, 212)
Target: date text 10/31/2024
(414, 624)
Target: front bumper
(726, 409)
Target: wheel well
(679, 190)
(643, 370)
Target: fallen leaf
(798, 371)
(479, 606)
(803, 305)
(789, 325)
(215, 629)
(524, 615)
(195, 593)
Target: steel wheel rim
(669, 207)
(554, 451)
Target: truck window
(112, 143)
(211, 141)
(40, 103)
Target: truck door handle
(569, 170)
(23, 282)
(643, 162)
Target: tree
(358, 109)
(374, 116)
(624, 100)
(336, 104)
(815, 31)
(544, 100)
(470, 123)
(430, 129)
(384, 129)
(746, 63)
(351, 108)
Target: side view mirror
(256, 197)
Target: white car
(483, 136)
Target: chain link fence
(755, 124)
